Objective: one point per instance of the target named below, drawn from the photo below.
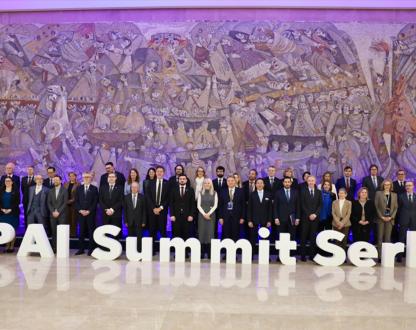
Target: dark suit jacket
(238, 204)
(115, 201)
(309, 205)
(134, 216)
(173, 183)
(15, 179)
(277, 184)
(43, 200)
(86, 202)
(399, 189)
(357, 209)
(15, 201)
(407, 209)
(151, 196)
(260, 213)
(120, 181)
(368, 183)
(24, 185)
(353, 186)
(47, 183)
(182, 206)
(246, 189)
(217, 188)
(60, 203)
(283, 208)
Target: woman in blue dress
(9, 208)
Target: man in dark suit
(310, 207)
(259, 211)
(37, 205)
(372, 182)
(400, 183)
(9, 173)
(271, 182)
(57, 204)
(157, 202)
(174, 179)
(286, 209)
(249, 186)
(304, 184)
(27, 182)
(231, 210)
(135, 213)
(182, 208)
(109, 168)
(48, 182)
(219, 183)
(399, 187)
(86, 200)
(407, 218)
(348, 183)
(111, 202)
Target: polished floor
(83, 293)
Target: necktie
(251, 186)
(410, 198)
(182, 192)
(29, 180)
(111, 190)
(375, 181)
(50, 182)
(220, 183)
(158, 192)
(271, 181)
(348, 184)
(312, 193)
(287, 194)
(86, 190)
(231, 194)
(134, 201)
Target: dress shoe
(79, 252)
(303, 259)
(90, 252)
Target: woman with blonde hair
(207, 203)
(341, 213)
(328, 177)
(238, 182)
(198, 181)
(362, 216)
(386, 208)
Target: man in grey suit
(57, 204)
(37, 207)
(407, 217)
(135, 213)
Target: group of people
(225, 207)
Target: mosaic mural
(238, 94)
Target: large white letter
(147, 249)
(35, 241)
(322, 240)
(264, 246)
(7, 233)
(231, 248)
(360, 254)
(62, 241)
(411, 249)
(179, 245)
(285, 245)
(110, 243)
(389, 252)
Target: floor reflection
(262, 282)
